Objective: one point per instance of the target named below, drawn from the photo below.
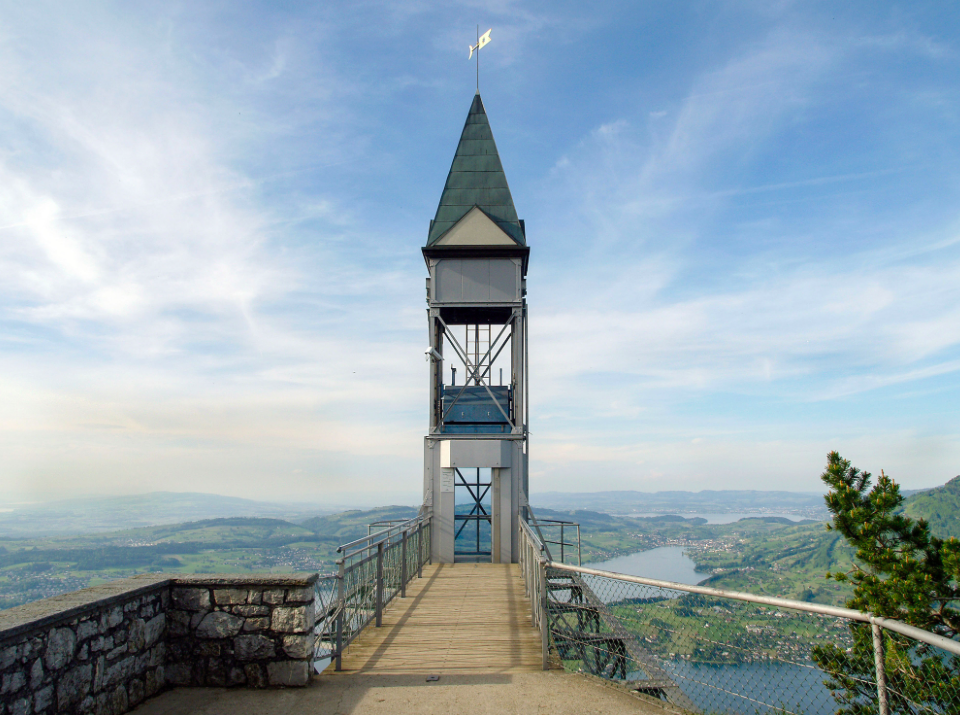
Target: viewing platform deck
(469, 624)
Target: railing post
(403, 565)
(561, 545)
(420, 550)
(878, 662)
(343, 609)
(379, 606)
(579, 559)
(545, 619)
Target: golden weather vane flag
(482, 40)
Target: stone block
(119, 672)
(113, 617)
(43, 698)
(236, 676)
(299, 595)
(256, 596)
(118, 701)
(21, 706)
(253, 648)
(153, 630)
(209, 649)
(36, 674)
(135, 691)
(216, 672)
(31, 648)
(191, 599)
(178, 623)
(12, 682)
(230, 596)
(256, 675)
(180, 650)
(136, 635)
(219, 625)
(61, 643)
(148, 610)
(257, 624)
(290, 619)
(298, 647)
(131, 606)
(98, 671)
(273, 596)
(8, 656)
(87, 629)
(73, 686)
(251, 610)
(153, 681)
(295, 673)
(117, 652)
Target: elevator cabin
(475, 451)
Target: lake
(667, 563)
(715, 688)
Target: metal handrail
(562, 543)
(372, 571)
(919, 634)
(379, 536)
(535, 563)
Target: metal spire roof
(476, 178)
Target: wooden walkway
(457, 619)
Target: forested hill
(939, 506)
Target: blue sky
(744, 220)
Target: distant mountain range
(90, 515)
(808, 504)
(940, 506)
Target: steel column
(403, 565)
(379, 586)
(340, 597)
(545, 619)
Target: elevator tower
(475, 452)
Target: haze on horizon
(743, 220)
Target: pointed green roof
(476, 178)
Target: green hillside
(349, 525)
(939, 506)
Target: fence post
(420, 550)
(561, 545)
(379, 605)
(403, 565)
(343, 608)
(545, 619)
(878, 662)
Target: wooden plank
(461, 618)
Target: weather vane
(482, 40)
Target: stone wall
(255, 633)
(105, 649)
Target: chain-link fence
(710, 651)
(372, 571)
